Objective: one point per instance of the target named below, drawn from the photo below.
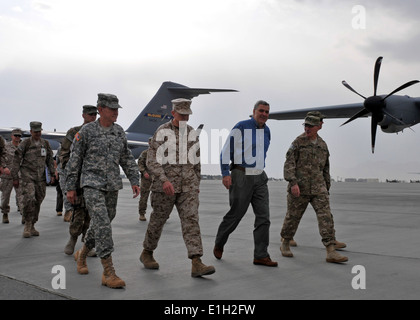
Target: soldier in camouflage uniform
(146, 182)
(79, 219)
(3, 168)
(6, 179)
(173, 159)
(307, 169)
(99, 149)
(338, 244)
(31, 158)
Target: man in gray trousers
(244, 154)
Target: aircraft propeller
(375, 104)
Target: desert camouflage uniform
(80, 220)
(185, 177)
(96, 158)
(6, 184)
(307, 164)
(145, 183)
(31, 158)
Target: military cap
(35, 126)
(312, 120)
(108, 100)
(90, 109)
(182, 106)
(316, 114)
(16, 131)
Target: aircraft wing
(195, 92)
(334, 111)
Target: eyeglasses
(92, 114)
(308, 125)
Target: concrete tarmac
(379, 222)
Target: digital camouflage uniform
(145, 183)
(80, 220)
(185, 177)
(96, 158)
(6, 184)
(307, 164)
(31, 158)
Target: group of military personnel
(90, 157)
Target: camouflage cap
(16, 131)
(316, 114)
(36, 126)
(90, 109)
(312, 120)
(108, 100)
(182, 106)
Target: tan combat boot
(142, 217)
(109, 278)
(339, 245)
(80, 258)
(292, 242)
(200, 269)
(147, 259)
(285, 249)
(5, 218)
(69, 248)
(27, 229)
(67, 216)
(34, 232)
(333, 256)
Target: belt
(248, 171)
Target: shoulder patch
(78, 136)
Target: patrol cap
(182, 106)
(312, 120)
(35, 126)
(17, 131)
(90, 109)
(316, 114)
(108, 100)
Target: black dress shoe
(218, 252)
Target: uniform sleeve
(2, 152)
(129, 165)
(64, 154)
(289, 170)
(74, 165)
(50, 159)
(142, 162)
(152, 162)
(326, 173)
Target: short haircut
(259, 102)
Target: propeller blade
(357, 115)
(373, 131)
(408, 84)
(376, 74)
(351, 89)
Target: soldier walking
(99, 149)
(145, 183)
(176, 170)
(31, 158)
(6, 179)
(307, 169)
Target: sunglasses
(17, 135)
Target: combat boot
(69, 248)
(34, 232)
(147, 259)
(142, 217)
(5, 218)
(333, 256)
(200, 269)
(292, 242)
(67, 216)
(340, 245)
(285, 249)
(27, 230)
(109, 278)
(80, 258)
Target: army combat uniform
(307, 164)
(96, 158)
(31, 158)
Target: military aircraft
(156, 113)
(393, 113)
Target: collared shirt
(247, 146)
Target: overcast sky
(56, 55)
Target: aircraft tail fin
(158, 110)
